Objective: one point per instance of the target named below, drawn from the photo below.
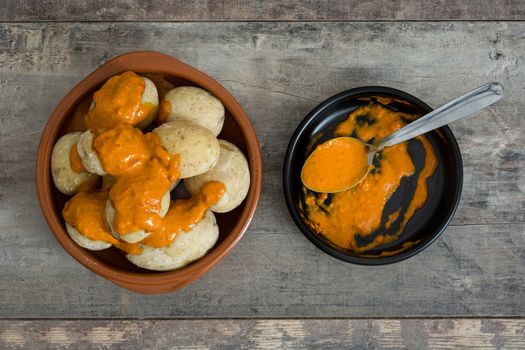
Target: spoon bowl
(323, 171)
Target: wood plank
(279, 72)
(267, 10)
(265, 334)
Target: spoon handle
(458, 108)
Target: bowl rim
(163, 63)
(287, 178)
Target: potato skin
(197, 147)
(85, 242)
(186, 248)
(196, 105)
(65, 179)
(233, 171)
(89, 156)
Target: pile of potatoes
(194, 121)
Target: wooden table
(280, 59)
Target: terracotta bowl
(111, 264)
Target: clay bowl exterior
(111, 263)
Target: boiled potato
(89, 156)
(149, 96)
(232, 170)
(196, 105)
(66, 180)
(137, 236)
(186, 248)
(85, 242)
(197, 147)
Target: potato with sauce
(65, 178)
(138, 235)
(196, 146)
(186, 248)
(232, 170)
(195, 105)
(86, 222)
(126, 145)
(125, 99)
(85, 242)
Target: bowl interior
(428, 221)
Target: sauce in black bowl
(444, 186)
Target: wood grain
(259, 10)
(265, 334)
(279, 72)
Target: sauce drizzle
(185, 213)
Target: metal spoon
(456, 109)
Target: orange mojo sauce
(143, 172)
(359, 210)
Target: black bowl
(444, 186)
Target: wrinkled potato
(89, 156)
(186, 248)
(66, 180)
(85, 242)
(149, 96)
(232, 170)
(137, 236)
(196, 105)
(197, 147)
